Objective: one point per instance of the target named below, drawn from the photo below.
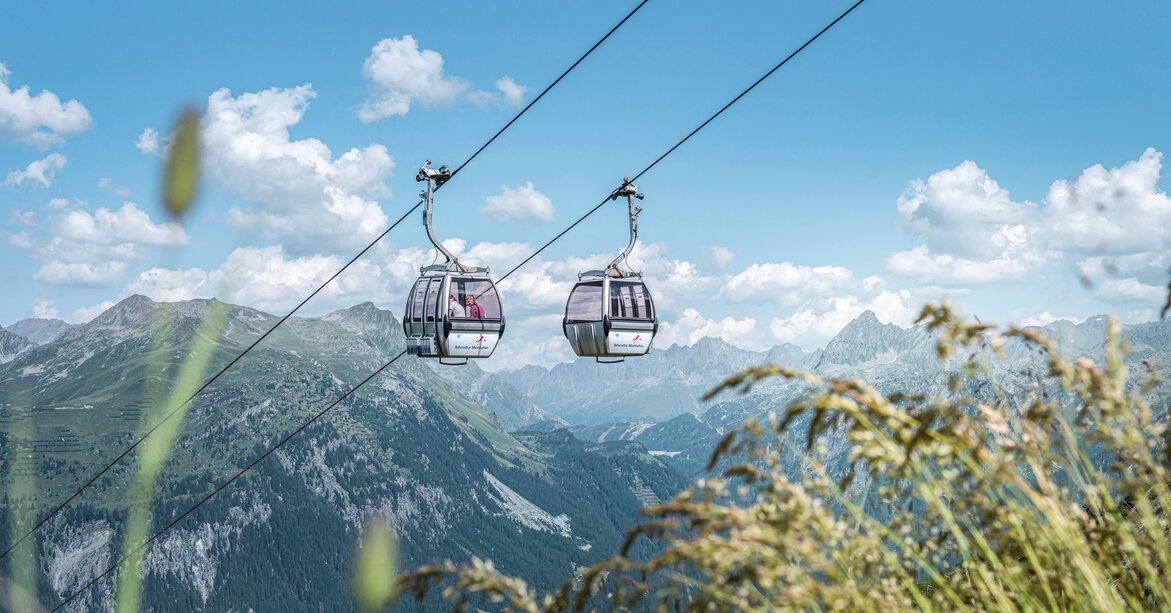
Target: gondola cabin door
(474, 321)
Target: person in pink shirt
(475, 311)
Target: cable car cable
(555, 82)
(176, 410)
(230, 481)
(688, 137)
(196, 393)
(392, 361)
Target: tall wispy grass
(1045, 496)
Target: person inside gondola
(475, 311)
(454, 308)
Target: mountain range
(540, 469)
(886, 356)
(430, 454)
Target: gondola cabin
(453, 315)
(608, 317)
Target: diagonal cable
(230, 481)
(689, 135)
(178, 408)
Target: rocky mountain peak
(134, 310)
(866, 338)
(39, 331)
(12, 345)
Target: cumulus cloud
(93, 249)
(148, 141)
(1042, 318)
(1118, 211)
(691, 326)
(508, 93)
(534, 340)
(1131, 290)
(85, 314)
(306, 197)
(722, 256)
(271, 280)
(785, 283)
(973, 232)
(513, 93)
(401, 74)
(949, 269)
(166, 285)
(39, 171)
(81, 274)
(40, 120)
(44, 309)
(523, 203)
(814, 325)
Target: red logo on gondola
(637, 337)
(481, 339)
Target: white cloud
(148, 141)
(973, 231)
(520, 204)
(1114, 221)
(21, 240)
(785, 283)
(167, 285)
(532, 340)
(513, 93)
(722, 256)
(814, 325)
(107, 185)
(127, 224)
(691, 326)
(963, 212)
(508, 93)
(40, 120)
(44, 309)
(400, 73)
(85, 314)
(84, 249)
(947, 269)
(40, 171)
(1041, 319)
(1118, 211)
(307, 198)
(81, 274)
(1131, 290)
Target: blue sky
(917, 151)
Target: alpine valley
(540, 470)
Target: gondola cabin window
(432, 295)
(418, 294)
(477, 297)
(630, 301)
(585, 303)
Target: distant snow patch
(636, 430)
(669, 454)
(526, 513)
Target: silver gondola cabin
(610, 313)
(453, 311)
